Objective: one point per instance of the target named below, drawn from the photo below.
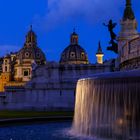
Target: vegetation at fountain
(29, 114)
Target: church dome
(31, 51)
(74, 53)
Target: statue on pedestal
(113, 41)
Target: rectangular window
(26, 72)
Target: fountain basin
(36, 131)
(108, 106)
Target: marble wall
(52, 87)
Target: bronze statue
(111, 26)
(113, 42)
(113, 47)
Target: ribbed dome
(30, 49)
(32, 53)
(74, 53)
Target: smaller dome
(32, 53)
(74, 53)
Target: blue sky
(54, 20)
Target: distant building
(53, 85)
(27, 56)
(99, 54)
(16, 68)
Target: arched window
(6, 61)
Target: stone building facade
(129, 40)
(29, 55)
(16, 68)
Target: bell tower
(6, 66)
(99, 54)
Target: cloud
(7, 49)
(93, 11)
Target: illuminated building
(99, 55)
(50, 85)
(16, 68)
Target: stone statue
(113, 42)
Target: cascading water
(108, 107)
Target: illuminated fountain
(108, 106)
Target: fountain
(108, 106)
